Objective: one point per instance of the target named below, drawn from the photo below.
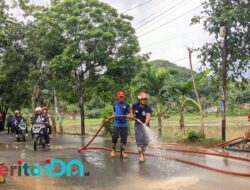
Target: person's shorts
(141, 136)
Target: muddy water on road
(106, 173)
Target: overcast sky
(170, 41)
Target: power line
(128, 10)
(149, 26)
(177, 4)
(169, 21)
(169, 39)
(137, 23)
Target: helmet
(143, 95)
(120, 94)
(17, 111)
(38, 109)
(45, 108)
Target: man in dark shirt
(142, 112)
(18, 119)
(10, 122)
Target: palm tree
(154, 82)
(184, 101)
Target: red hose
(204, 153)
(178, 160)
(213, 146)
(86, 147)
(103, 125)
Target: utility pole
(196, 90)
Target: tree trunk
(34, 96)
(196, 91)
(224, 86)
(159, 118)
(182, 126)
(81, 106)
(53, 118)
(60, 118)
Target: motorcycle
(21, 131)
(38, 135)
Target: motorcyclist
(39, 118)
(18, 119)
(46, 116)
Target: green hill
(182, 73)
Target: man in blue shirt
(142, 112)
(121, 108)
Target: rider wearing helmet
(46, 116)
(17, 120)
(39, 118)
(142, 112)
(120, 124)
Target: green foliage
(107, 112)
(94, 113)
(234, 15)
(194, 136)
(83, 40)
(14, 83)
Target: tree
(228, 55)
(84, 40)
(154, 82)
(13, 62)
(196, 91)
(186, 102)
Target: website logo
(51, 168)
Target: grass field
(236, 126)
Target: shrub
(194, 135)
(94, 113)
(107, 112)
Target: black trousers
(120, 132)
(1, 126)
(10, 128)
(46, 135)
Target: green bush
(94, 113)
(107, 112)
(194, 135)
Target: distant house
(212, 109)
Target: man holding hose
(142, 112)
(121, 108)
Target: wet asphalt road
(107, 173)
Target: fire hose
(87, 147)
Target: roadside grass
(236, 127)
